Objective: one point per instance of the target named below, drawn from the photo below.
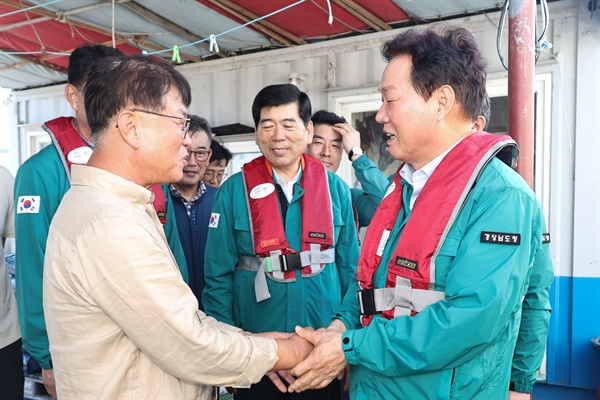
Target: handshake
(308, 359)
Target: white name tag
(262, 190)
(80, 155)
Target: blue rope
(17, 53)
(229, 30)
(29, 8)
(174, 48)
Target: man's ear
(71, 96)
(127, 124)
(480, 123)
(311, 131)
(446, 99)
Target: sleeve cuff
(521, 387)
(348, 347)
(360, 162)
(344, 318)
(46, 364)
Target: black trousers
(11, 371)
(266, 390)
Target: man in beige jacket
(121, 321)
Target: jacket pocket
(444, 260)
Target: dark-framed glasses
(200, 155)
(185, 121)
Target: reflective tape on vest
(278, 263)
(402, 298)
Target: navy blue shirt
(192, 224)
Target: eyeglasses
(212, 174)
(200, 155)
(184, 128)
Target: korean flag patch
(214, 220)
(28, 204)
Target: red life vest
(411, 270)
(72, 149)
(268, 233)
(160, 203)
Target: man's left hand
(323, 364)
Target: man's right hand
(350, 136)
(48, 379)
(291, 352)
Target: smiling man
(333, 136)
(44, 179)
(283, 244)
(216, 170)
(121, 321)
(455, 269)
(193, 201)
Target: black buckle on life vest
(290, 262)
(366, 301)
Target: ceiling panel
(157, 25)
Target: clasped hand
(323, 364)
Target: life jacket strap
(277, 264)
(402, 298)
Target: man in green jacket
(40, 185)
(283, 246)
(455, 270)
(333, 135)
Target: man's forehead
(396, 74)
(387, 88)
(218, 164)
(199, 137)
(284, 112)
(324, 131)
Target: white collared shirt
(287, 187)
(417, 179)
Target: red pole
(521, 73)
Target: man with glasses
(121, 321)
(217, 166)
(192, 201)
(40, 185)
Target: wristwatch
(355, 151)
